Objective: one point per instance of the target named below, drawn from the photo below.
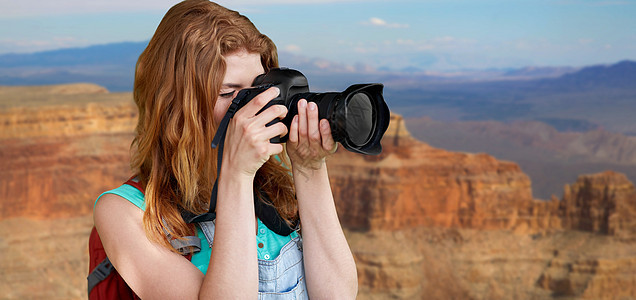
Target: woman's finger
(302, 120)
(271, 113)
(328, 143)
(293, 130)
(274, 130)
(255, 105)
(275, 149)
(313, 133)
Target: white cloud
(33, 45)
(374, 21)
(400, 46)
(377, 22)
(292, 48)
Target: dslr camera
(358, 116)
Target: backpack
(103, 280)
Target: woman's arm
(329, 265)
(151, 270)
(233, 269)
(155, 272)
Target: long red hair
(177, 80)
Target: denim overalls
(281, 278)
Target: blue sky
(436, 35)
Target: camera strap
(264, 209)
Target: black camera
(358, 116)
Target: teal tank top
(268, 242)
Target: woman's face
(241, 69)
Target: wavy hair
(177, 80)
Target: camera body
(292, 85)
(358, 116)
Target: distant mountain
(471, 95)
(123, 54)
(109, 65)
(619, 75)
(112, 66)
(537, 72)
(593, 97)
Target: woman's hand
(310, 141)
(247, 145)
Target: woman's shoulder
(117, 203)
(126, 192)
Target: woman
(198, 59)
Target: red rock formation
(412, 184)
(603, 203)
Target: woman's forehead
(241, 68)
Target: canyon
(422, 222)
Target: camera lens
(359, 118)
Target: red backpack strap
(134, 181)
(104, 282)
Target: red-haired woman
(200, 56)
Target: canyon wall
(422, 222)
(413, 184)
(61, 146)
(602, 203)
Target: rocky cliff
(60, 146)
(413, 184)
(423, 223)
(603, 203)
